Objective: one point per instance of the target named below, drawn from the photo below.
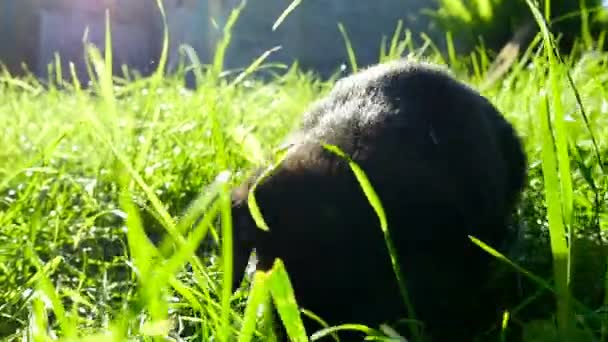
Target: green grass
(84, 173)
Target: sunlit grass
(86, 172)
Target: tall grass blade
(254, 66)
(222, 45)
(376, 204)
(457, 9)
(349, 49)
(226, 221)
(162, 62)
(292, 6)
(258, 295)
(485, 9)
(252, 204)
(559, 245)
(585, 31)
(284, 299)
(558, 189)
(108, 48)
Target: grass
(84, 173)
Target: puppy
(445, 165)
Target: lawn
(84, 170)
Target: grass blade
(376, 204)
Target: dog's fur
(445, 164)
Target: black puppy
(445, 165)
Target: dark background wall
(311, 33)
(32, 31)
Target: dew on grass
(569, 118)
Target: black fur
(445, 165)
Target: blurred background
(32, 32)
